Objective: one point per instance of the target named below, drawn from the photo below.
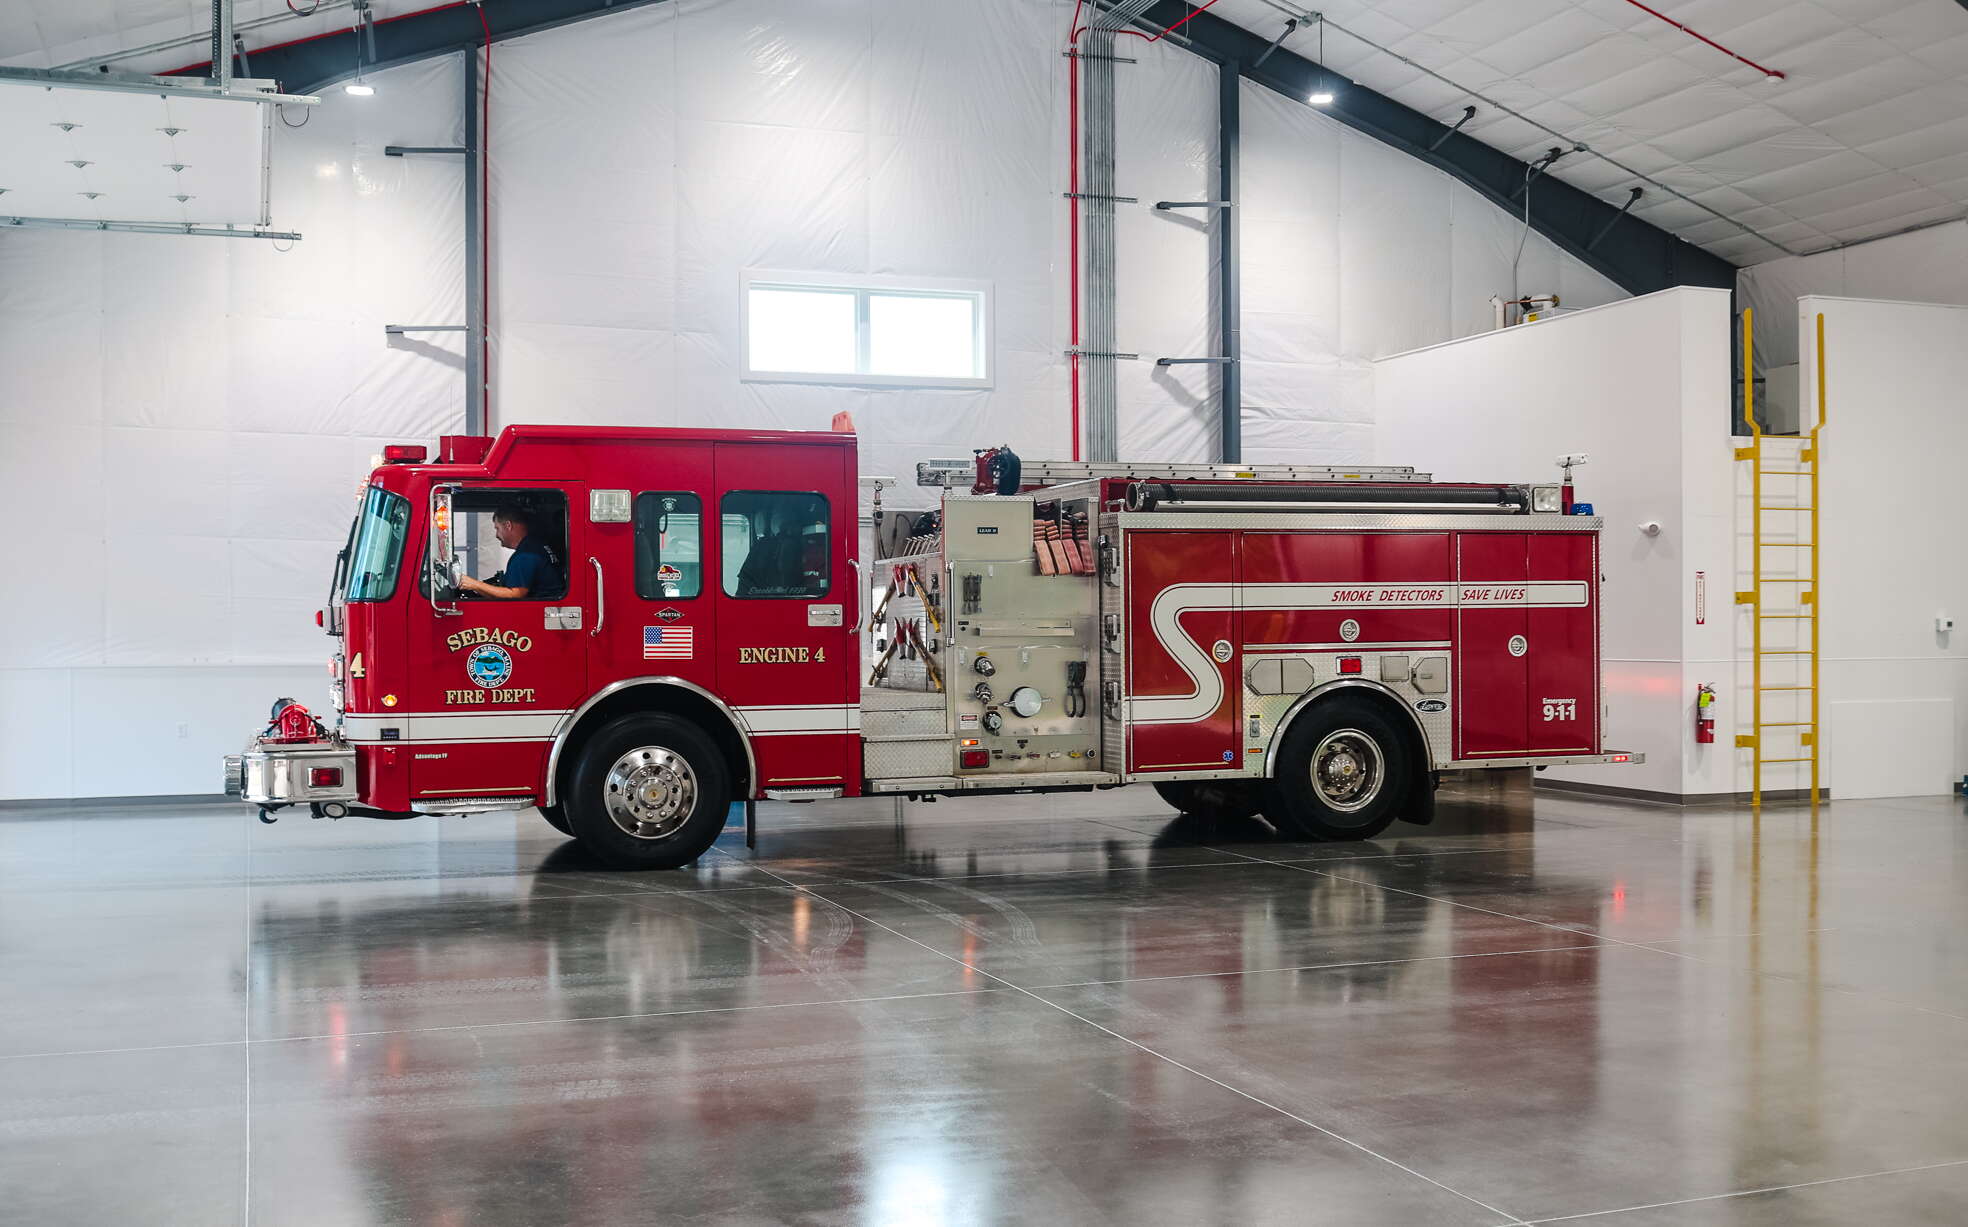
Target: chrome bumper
(278, 774)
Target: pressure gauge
(993, 722)
(1026, 702)
(983, 666)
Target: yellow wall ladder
(1803, 463)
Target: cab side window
(776, 544)
(669, 546)
(512, 538)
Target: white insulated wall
(1640, 386)
(190, 418)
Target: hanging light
(1322, 94)
(365, 32)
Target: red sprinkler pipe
(1768, 72)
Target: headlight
(1547, 498)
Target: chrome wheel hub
(1348, 770)
(650, 791)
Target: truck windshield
(378, 550)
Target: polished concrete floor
(1056, 1010)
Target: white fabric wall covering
(194, 417)
(1924, 266)
(189, 421)
(1353, 251)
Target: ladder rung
(1787, 473)
(1784, 760)
(1785, 724)
(1783, 545)
(1800, 617)
(1783, 507)
(1767, 580)
(1783, 652)
(1786, 688)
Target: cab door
(491, 682)
(785, 600)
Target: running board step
(802, 794)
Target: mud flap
(1420, 807)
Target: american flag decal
(668, 642)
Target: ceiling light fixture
(359, 89)
(1322, 94)
(365, 32)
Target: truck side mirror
(442, 564)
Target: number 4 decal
(1560, 709)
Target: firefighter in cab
(534, 569)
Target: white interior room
(1718, 251)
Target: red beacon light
(404, 453)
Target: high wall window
(893, 331)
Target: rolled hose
(1147, 495)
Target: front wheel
(648, 792)
(1342, 773)
(556, 816)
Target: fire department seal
(489, 665)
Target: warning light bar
(404, 453)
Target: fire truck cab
(630, 629)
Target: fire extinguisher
(1705, 714)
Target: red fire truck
(694, 626)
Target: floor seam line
(1775, 1188)
(1512, 1220)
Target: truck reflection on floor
(451, 1117)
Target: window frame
(635, 533)
(863, 286)
(827, 555)
(357, 536)
(505, 488)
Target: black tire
(556, 816)
(1369, 770)
(1218, 800)
(658, 773)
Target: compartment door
(1184, 666)
(1492, 644)
(1562, 620)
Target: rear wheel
(648, 792)
(1343, 772)
(1221, 800)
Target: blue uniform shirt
(534, 568)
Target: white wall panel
(35, 747)
(1626, 384)
(1924, 266)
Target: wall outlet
(1942, 623)
(184, 732)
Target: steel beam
(1230, 305)
(1637, 256)
(90, 223)
(239, 89)
(474, 249)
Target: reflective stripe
(421, 727)
(789, 718)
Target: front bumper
(281, 774)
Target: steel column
(222, 50)
(474, 266)
(1229, 138)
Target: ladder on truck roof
(1798, 648)
(961, 473)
